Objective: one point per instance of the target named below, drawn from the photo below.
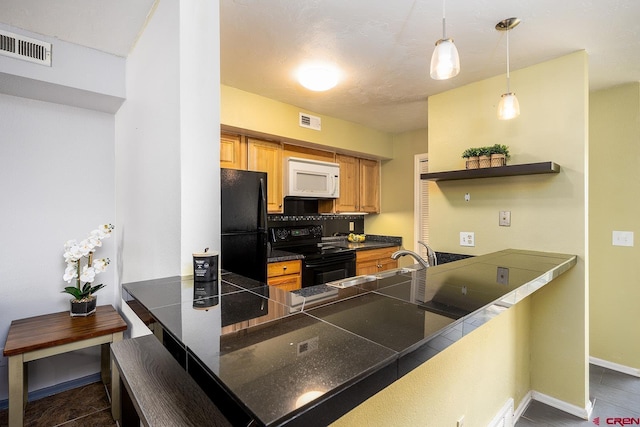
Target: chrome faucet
(431, 254)
(401, 252)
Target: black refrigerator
(243, 198)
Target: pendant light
(445, 62)
(509, 107)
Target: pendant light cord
(508, 76)
(444, 30)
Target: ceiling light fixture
(318, 77)
(509, 107)
(445, 61)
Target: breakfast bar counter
(308, 357)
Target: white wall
(57, 183)
(167, 144)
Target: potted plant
(471, 156)
(484, 157)
(84, 302)
(499, 155)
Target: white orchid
(73, 254)
(100, 265)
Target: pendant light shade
(509, 106)
(445, 61)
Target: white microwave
(311, 178)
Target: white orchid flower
(88, 274)
(71, 272)
(100, 265)
(85, 247)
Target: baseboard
(55, 389)
(615, 366)
(583, 413)
(522, 407)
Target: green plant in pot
(471, 156)
(76, 254)
(499, 155)
(484, 157)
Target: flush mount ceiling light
(445, 61)
(509, 107)
(318, 77)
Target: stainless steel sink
(394, 272)
(352, 281)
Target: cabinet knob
(284, 268)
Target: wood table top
(50, 330)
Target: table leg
(116, 401)
(17, 391)
(104, 363)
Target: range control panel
(294, 234)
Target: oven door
(319, 270)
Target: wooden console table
(42, 336)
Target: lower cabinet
(373, 261)
(286, 275)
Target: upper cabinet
(359, 178)
(359, 185)
(233, 151)
(266, 156)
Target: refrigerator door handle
(263, 209)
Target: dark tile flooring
(86, 406)
(613, 395)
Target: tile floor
(86, 406)
(614, 395)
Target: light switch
(623, 238)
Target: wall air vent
(309, 121)
(21, 47)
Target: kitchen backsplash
(332, 225)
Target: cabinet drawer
(290, 282)
(276, 269)
(375, 254)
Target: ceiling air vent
(309, 121)
(26, 48)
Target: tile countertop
(309, 356)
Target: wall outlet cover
(622, 238)
(467, 238)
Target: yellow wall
(396, 193)
(541, 343)
(614, 178)
(248, 111)
(547, 211)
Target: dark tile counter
(308, 357)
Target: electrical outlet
(505, 219)
(460, 422)
(467, 197)
(503, 276)
(467, 238)
(351, 226)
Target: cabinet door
(265, 156)
(290, 282)
(369, 186)
(233, 154)
(349, 186)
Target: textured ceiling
(382, 47)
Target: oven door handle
(329, 261)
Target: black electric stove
(323, 262)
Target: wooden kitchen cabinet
(286, 275)
(373, 261)
(266, 156)
(359, 185)
(233, 151)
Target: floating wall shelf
(511, 170)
